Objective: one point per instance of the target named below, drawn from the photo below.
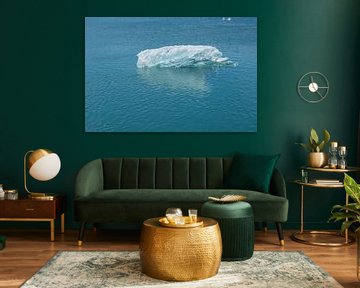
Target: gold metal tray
(165, 222)
(228, 198)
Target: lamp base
(41, 196)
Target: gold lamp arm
(25, 169)
(32, 194)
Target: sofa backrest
(165, 173)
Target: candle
(342, 154)
(342, 149)
(333, 144)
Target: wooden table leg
(346, 230)
(302, 209)
(52, 230)
(63, 223)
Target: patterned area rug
(122, 269)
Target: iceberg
(182, 56)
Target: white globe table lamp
(43, 165)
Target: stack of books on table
(328, 181)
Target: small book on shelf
(327, 181)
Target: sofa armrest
(277, 184)
(89, 179)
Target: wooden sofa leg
(265, 227)
(280, 233)
(81, 233)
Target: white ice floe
(182, 56)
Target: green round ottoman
(236, 221)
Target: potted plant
(317, 157)
(350, 214)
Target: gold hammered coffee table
(180, 254)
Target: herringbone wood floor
(28, 250)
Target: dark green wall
(42, 88)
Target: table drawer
(28, 209)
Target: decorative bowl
(228, 198)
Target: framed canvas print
(170, 74)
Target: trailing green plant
(314, 144)
(349, 214)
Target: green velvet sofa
(130, 190)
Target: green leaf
(306, 146)
(321, 146)
(352, 207)
(352, 188)
(326, 136)
(346, 225)
(314, 135)
(346, 213)
(336, 216)
(314, 146)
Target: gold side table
(297, 235)
(180, 254)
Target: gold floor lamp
(43, 165)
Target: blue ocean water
(120, 97)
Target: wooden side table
(26, 209)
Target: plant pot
(317, 159)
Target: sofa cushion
(266, 207)
(164, 173)
(251, 172)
